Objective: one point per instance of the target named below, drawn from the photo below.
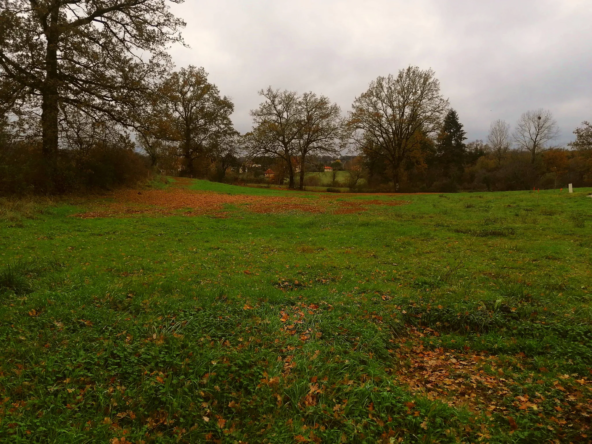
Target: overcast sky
(495, 59)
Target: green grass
(326, 177)
(206, 185)
(294, 327)
(160, 182)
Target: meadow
(198, 312)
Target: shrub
(22, 170)
(312, 181)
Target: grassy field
(326, 178)
(220, 314)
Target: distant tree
(154, 128)
(225, 154)
(321, 129)
(450, 146)
(280, 170)
(583, 137)
(534, 130)
(357, 171)
(91, 55)
(499, 140)
(387, 119)
(556, 162)
(277, 127)
(337, 165)
(199, 116)
(475, 150)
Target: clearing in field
(202, 312)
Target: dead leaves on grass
(181, 201)
(484, 383)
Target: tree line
(89, 97)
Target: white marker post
(570, 188)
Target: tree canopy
(92, 56)
(451, 148)
(198, 116)
(391, 118)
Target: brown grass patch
(285, 207)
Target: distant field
(326, 178)
(201, 312)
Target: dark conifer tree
(451, 149)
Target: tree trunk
(222, 171)
(291, 174)
(395, 173)
(50, 115)
(302, 172)
(187, 151)
(189, 165)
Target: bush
(22, 170)
(312, 181)
(20, 167)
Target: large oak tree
(198, 116)
(395, 114)
(92, 55)
(277, 127)
(321, 129)
(292, 127)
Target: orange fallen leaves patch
(456, 378)
(181, 201)
(482, 382)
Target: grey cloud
(495, 59)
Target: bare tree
(391, 114)
(499, 140)
(277, 126)
(92, 55)
(320, 129)
(534, 130)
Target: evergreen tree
(451, 149)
